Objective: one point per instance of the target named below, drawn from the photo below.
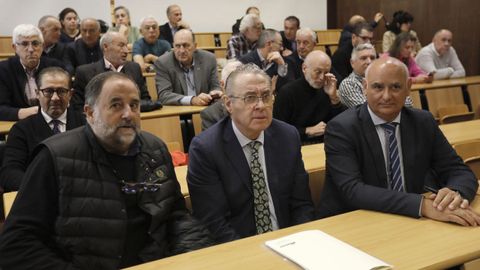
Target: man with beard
(54, 93)
(18, 99)
(103, 196)
(115, 52)
(309, 103)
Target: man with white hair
(305, 40)
(51, 30)
(18, 99)
(246, 40)
(87, 49)
(175, 23)
(147, 49)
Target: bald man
(440, 57)
(51, 29)
(309, 103)
(381, 156)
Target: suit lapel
(180, 75)
(270, 144)
(21, 77)
(407, 131)
(197, 73)
(236, 156)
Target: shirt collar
(30, 72)
(62, 118)
(242, 139)
(187, 69)
(378, 121)
(109, 66)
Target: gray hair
(248, 20)
(26, 30)
(266, 36)
(142, 20)
(107, 38)
(229, 68)
(250, 68)
(95, 86)
(308, 31)
(90, 19)
(362, 47)
(169, 8)
(44, 20)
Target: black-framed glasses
(252, 100)
(48, 92)
(34, 43)
(137, 187)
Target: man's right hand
(201, 100)
(464, 217)
(26, 112)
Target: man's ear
(227, 102)
(88, 110)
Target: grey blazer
(170, 78)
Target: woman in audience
(123, 25)
(401, 23)
(402, 49)
(70, 28)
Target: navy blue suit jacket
(220, 184)
(253, 57)
(356, 176)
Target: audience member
(147, 49)
(86, 49)
(18, 99)
(381, 156)
(290, 26)
(50, 27)
(54, 93)
(305, 39)
(363, 33)
(246, 40)
(187, 76)
(440, 57)
(123, 24)
(215, 112)
(246, 174)
(401, 23)
(346, 34)
(70, 29)
(402, 49)
(267, 55)
(310, 102)
(115, 52)
(104, 196)
(175, 23)
(250, 10)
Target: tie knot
(389, 127)
(254, 145)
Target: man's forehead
(149, 22)
(29, 38)
(365, 32)
(54, 78)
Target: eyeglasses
(153, 27)
(134, 188)
(252, 100)
(48, 92)
(35, 44)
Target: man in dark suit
(175, 23)
(51, 29)
(246, 174)
(305, 39)
(54, 93)
(84, 50)
(115, 52)
(18, 99)
(187, 76)
(381, 156)
(290, 26)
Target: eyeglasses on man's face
(252, 100)
(34, 43)
(48, 92)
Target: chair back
(455, 113)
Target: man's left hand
(275, 57)
(448, 198)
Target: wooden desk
(5, 126)
(461, 131)
(404, 242)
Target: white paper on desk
(317, 250)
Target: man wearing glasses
(147, 49)
(246, 174)
(362, 33)
(54, 93)
(18, 99)
(104, 196)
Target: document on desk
(315, 249)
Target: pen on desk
(433, 190)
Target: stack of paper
(317, 250)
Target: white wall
(203, 16)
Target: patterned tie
(260, 196)
(395, 173)
(56, 126)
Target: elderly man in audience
(363, 33)
(54, 93)
(305, 39)
(86, 49)
(250, 10)
(381, 156)
(246, 40)
(51, 30)
(18, 98)
(246, 174)
(291, 24)
(346, 34)
(115, 52)
(440, 57)
(310, 102)
(147, 49)
(175, 23)
(104, 196)
(187, 76)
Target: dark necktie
(56, 126)
(395, 174)
(260, 195)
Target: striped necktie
(395, 174)
(56, 126)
